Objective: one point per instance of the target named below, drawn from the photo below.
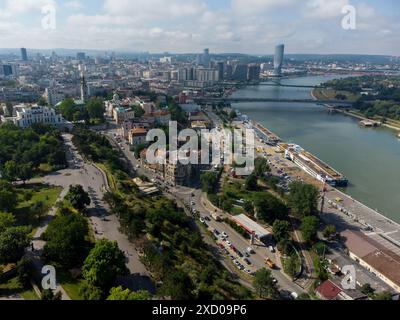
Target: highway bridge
(216, 101)
(275, 84)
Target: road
(339, 209)
(104, 225)
(184, 195)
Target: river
(369, 158)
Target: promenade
(346, 213)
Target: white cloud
(252, 26)
(250, 7)
(365, 11)
(13, 8)
(81, 20)
(152, 9)
(74, 5)
(323, 9)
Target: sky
(188, 26)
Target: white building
(120, 115)
(28, 115)
(54, 96)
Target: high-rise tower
(278, 59)
(84, 86)
(24, 54)
(206, 58)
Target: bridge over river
(336, 103)
(277, 84)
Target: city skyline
(313, 26)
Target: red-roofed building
(328, 291)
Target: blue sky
(248, 26)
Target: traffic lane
(236, 239)
(258, 259)
(93, 181)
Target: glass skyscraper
(278, 59)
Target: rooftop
(138, 131)
(373, 253)
(251, 226)
(328, 290)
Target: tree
(25, 271)
(38, 209)
(292, 265)
(13, 242)
(304, 296)
(78, 197)
(95, 109)
(9, 108)
(8, 197)
(25, 171)
(49, 295)
(209, 181)
(7, 220)
(251, 182)
(264, 285)
(303, 199)
(177, 285)
(285, 246)
(90, 292)
(232, 115)
(320, 266)
(385, 295)
(10, 171)
(68, 109)
(120, 294)
(281, 230)
(367, 289)
(269, 208)
(104, 264)
(139, 112)
(42, 102)
(309, 229)
(329, 231)
(261, 166)
(66, 241)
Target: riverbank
(357, 115)
(367, 157)
(347, 212)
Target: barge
(313, 166)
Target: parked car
(294, 295)
(250, 250)
(248, 262)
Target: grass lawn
(28, 195)
(13, 287)
(330, 94)
(70, 285)
(286, 263)
(110, 177)
(29, 295)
